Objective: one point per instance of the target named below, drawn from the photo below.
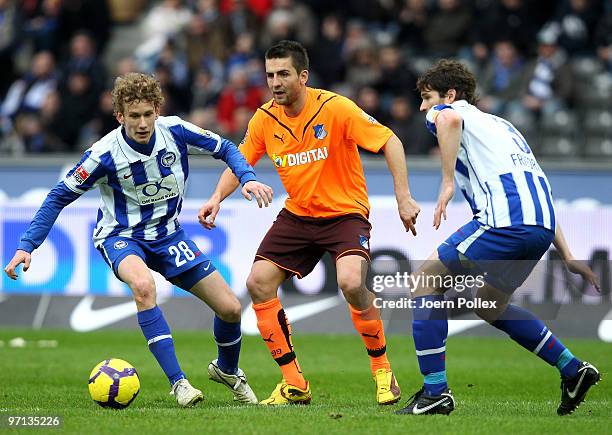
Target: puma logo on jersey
(269, 339)
(281, 138)
(303, 158)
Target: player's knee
(350, 284)
(144, 291)
(258, 288)
(490, 315)
(231, 311)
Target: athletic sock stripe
(431, 351)
(377, 352)
(564, 359)
(158, 338)
(542, 343)
(231, 343)
(285, 359)
(436, 378)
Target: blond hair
(136, 87)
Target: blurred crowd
(546, 65)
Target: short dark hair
(449, 74)
(293, 49)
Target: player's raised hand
(580, 268)
(446, 194)
(208, 213)
(409, 211)
(262, 192)
(19, 257)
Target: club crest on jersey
(168, 159)
(120, 244)
(363, 241)
(80, 175)
(319, 131)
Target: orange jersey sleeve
(253, 145)
(361, 128)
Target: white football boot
(185, 394)
(236, 383)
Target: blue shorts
(175, 257)
(505, 256)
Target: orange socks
(276, 332)
(369, 325)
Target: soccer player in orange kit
(312, 136)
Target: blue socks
(529, 331)
(228, 339)
(430, 329)
(157, 333)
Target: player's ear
(304, 77)
(119, 117)
(451, 95)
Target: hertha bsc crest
(319, 131)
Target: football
(114, 383)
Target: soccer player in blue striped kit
(513, 226)
(141, 169)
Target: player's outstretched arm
(396, 161)
(448, 125)
(20, 257)
(226, 185)
(58, 198)
(573, 265)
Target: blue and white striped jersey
(141, 195)
(497, 172)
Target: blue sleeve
(58, 198)
(231, 155)
(200, 141)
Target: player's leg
(208, 285)
(532, 334)
(274, 327)
(135, 273)
(351, 274)
(507, 256)
(284, 251)
(429, 331)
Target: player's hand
(19, 257)
(580, 268)
(262, 192)
(409, 211)
(446, 194)
(208, 213)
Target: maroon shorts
(297, 243)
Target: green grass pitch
(499, 387)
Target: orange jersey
(315, 153)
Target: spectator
(29, 92)
(408, 126)
(448, 28)
(89, 16)
(83, 59)
(574, 25)
(10, 19)
(328, 46)
(509, 20)
(79, 101)
(42, 28)
(238, 93)
(395, 77)
(503, 79)
(550, 83)
(413, 19)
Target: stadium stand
(553, 80)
